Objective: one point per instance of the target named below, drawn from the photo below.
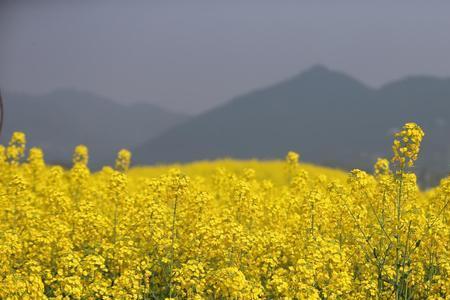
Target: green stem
(172, 246)
(397, 238)
(116, 213)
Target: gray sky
(192, 55)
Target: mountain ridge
(59, 120)
(329, 117)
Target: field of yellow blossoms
(227, 230)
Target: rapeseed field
(221, 230)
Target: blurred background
(178, 81)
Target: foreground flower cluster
(70, 234)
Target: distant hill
(59, 121)
(327, 116)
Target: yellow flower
(381, 167)
(80, 155)
(406, 146)
(16, 147)
(123, 160)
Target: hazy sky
(192, 55)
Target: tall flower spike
(81, 155)
(117, 186)
(123, 160)
(292, 159)
(36, 157)
(406, 145)
(381, 167)
(16, 147)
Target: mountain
(327, 116)
(59, 121)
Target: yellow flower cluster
(123, 160)
(16, 148)
(381, 167)
(80, 155)
(292, 159)
(407, 144)
(237, 231)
